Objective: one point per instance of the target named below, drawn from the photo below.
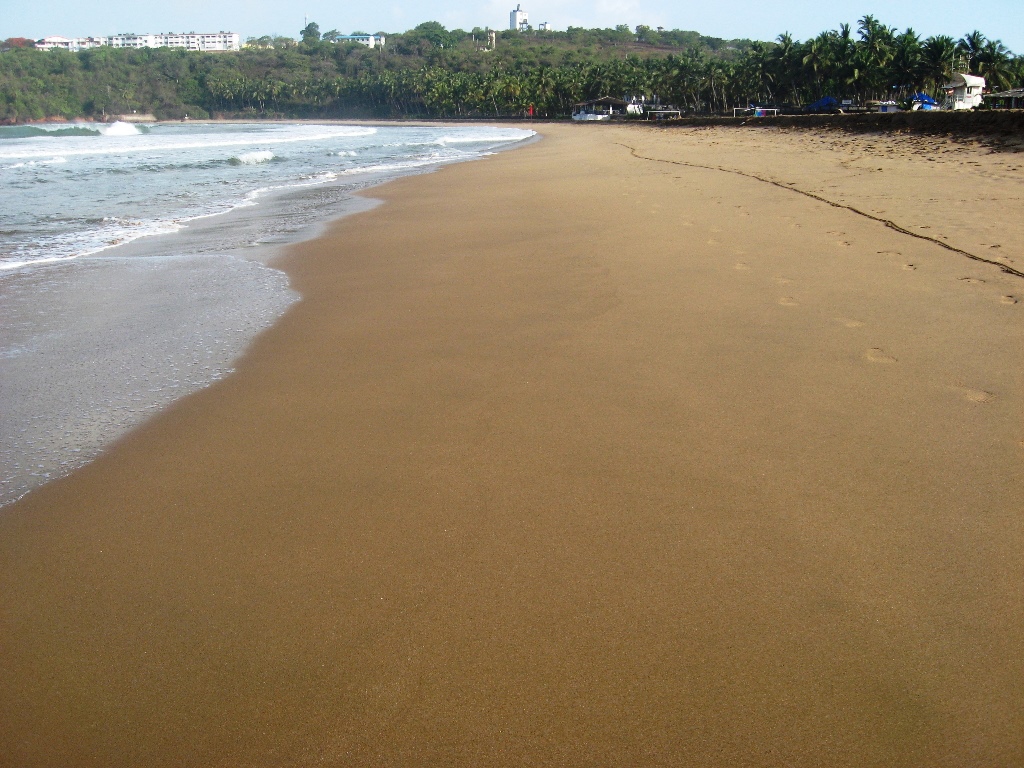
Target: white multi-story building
(212, 41)
(370, 41)
(58, 43)
(209, 41)
(519, 20)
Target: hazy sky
(757, 19)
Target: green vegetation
(436, 72)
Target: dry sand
(570, 457)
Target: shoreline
(1003, 123)
(999, 130)
(45, 439)
(669, 467)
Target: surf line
(887, 222)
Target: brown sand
(570, 458)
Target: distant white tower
(518, 19)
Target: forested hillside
(434, 72)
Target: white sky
(757, 19)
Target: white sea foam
(444, 140)
(496, 135)
(117, 231)
(434, 158)
(82, 146)
(192, 184)
(111, 233)
(119, 128)
(312, 181)
(30, 163)
(252, 158)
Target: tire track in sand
(789, 188)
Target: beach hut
(1012, 99)
(599, 109)
(963, 91)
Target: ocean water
(133, 261)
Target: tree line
(434, 72)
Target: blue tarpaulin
(822, 104)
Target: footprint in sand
(844, 243)
(1008, 300)
(975, 395)
(877, 355)
(888, 253)
(850, 323)
(971, 280)
(741, 266)
(789, 301)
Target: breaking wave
(252, 158)
(120, 129)
(31, 131)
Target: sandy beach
(631, 447)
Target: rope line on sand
(887, 222)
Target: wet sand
(577, 455)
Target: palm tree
(570, 88)
(994, 64)
(971, 46)
(716, 74)
(756, 73)
(512, 89)
(493, 89)
(876, 51)
(691, 81)
(601, 81)
(818, 59)
(905, 67)
(937, 54)
(669, 78)
(543, 87)
(1017, 72)
(785, 56)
